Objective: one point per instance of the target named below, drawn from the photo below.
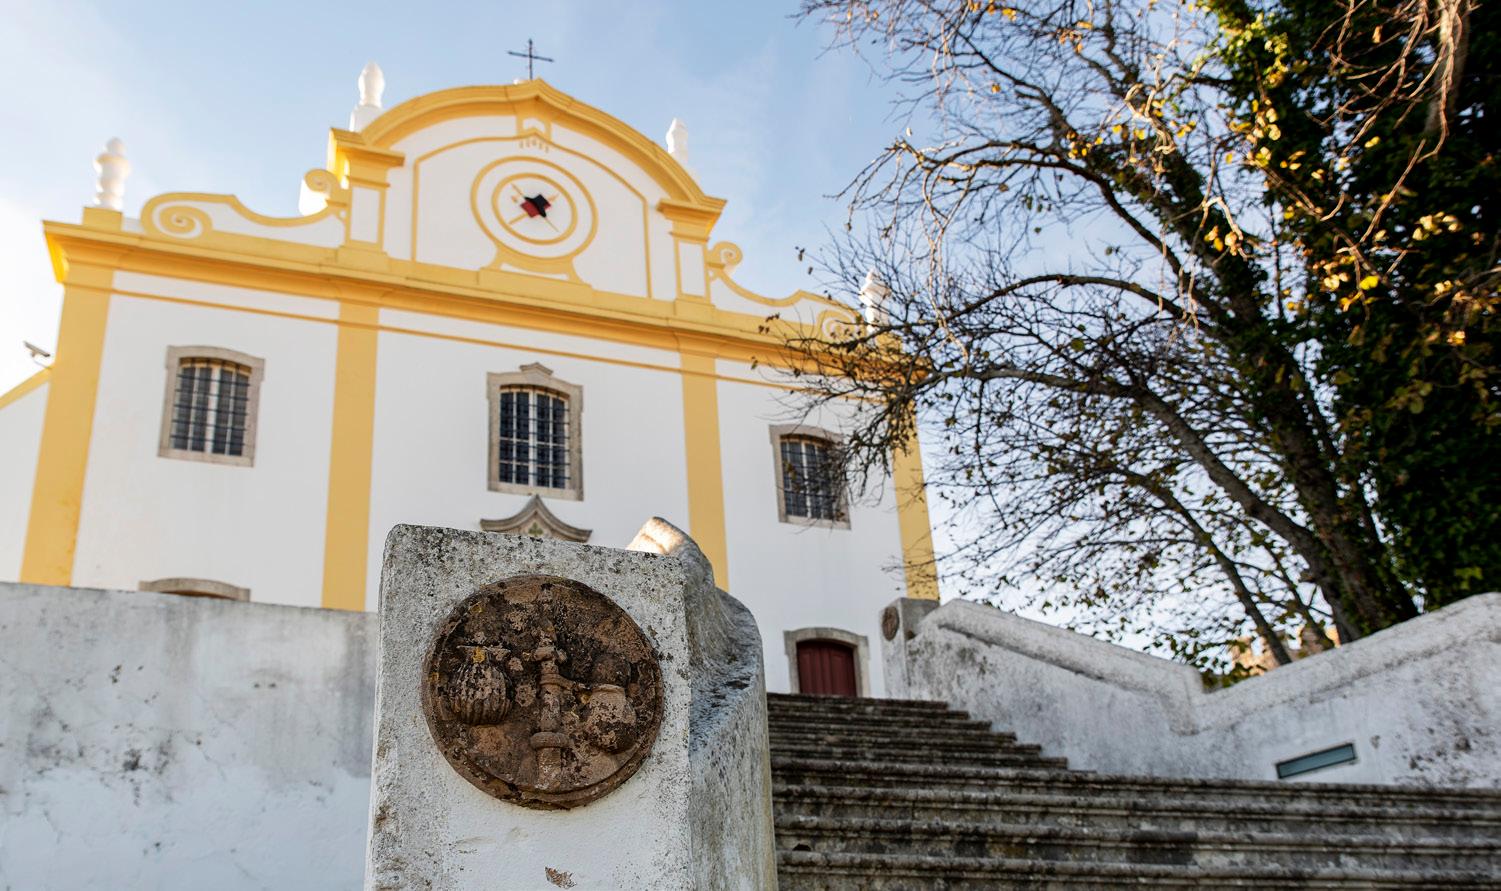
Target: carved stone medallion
(890, 623)
(541, 691)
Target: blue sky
(238, 98)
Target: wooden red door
(825, 668)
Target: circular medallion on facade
(536, 211)
(541, 691)
(890, 623)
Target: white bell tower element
(112, 167)
(372, 85)
(873, 295)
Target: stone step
(815, 871)
(897, 775)
(936, 752)
(837, 707)
(926, 728)
(1111, 809)
(917, 731)
(958, 838)
(918, 755)
(794, 700)
(941, 738)
(880, 795)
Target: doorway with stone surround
(827, 662)
(826, 668)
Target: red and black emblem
(535, 206)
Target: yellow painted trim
(483, 295)
(354, 160)
(346, 536)
(523, 140)
(912, 519)
(455, 338)
(505, 253)
(705, 465)
(67, 425)
(536, 99)
(690, 220)
(15, 393)
(103, 218)
(166, 203)
(725, 256)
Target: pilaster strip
(912, 519)
(67, 425)
(705, 464)
(346, 537)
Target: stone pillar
(542, 718)
(898, 627)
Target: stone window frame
(537, 375)
(860, 643)
(836, 443)
(257, 366)
(191, 587)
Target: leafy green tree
(1099, 289)
(1386, 172)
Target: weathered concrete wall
(430, 827)
(1421, 702)
(732, 844)
(156, 741)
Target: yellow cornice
(352, 157)
(536, 98)
(690, 220)
(487, 295)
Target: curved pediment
(514, 194)
(538, 105)
(526, 179)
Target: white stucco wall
(431, 457)
(1420, 701)
(263, 527)
(630, 253)
(155, 741)
(20, 438)
(259, 527)
(792, 575)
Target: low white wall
(1421, 702)
(157, 741)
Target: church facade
(502, 309)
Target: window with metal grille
(210, 406)
(811, 483)
(532, 442)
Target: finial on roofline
(873, 294)
(677, 141)
(372, 85)
(112, 167)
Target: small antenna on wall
(37, 353)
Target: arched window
(534, 433)
(810, 477)
(211, 403)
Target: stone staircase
(884, 794)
